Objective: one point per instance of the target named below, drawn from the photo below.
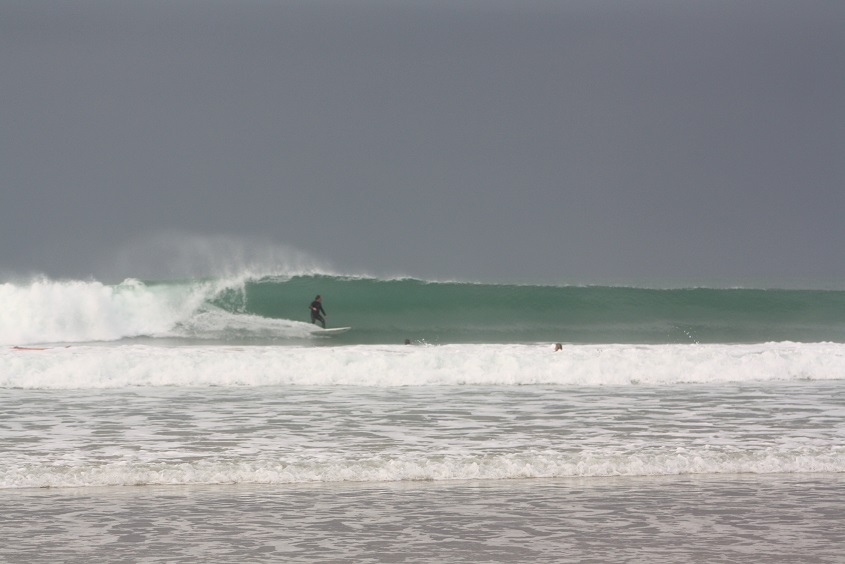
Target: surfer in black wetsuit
(317, 308)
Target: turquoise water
(388, 311)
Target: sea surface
(207, 420)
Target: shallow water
(728, 518)
(291, 434)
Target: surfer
(316, 308)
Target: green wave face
(390, 311)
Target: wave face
(274, 309)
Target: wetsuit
(316, 308)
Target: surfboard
(332, 331)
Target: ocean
(208, 420)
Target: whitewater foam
(82, 367)
(214, 323)
(75, 311)
(408, 467)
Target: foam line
(118, 366)
(409, 467)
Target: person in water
(317, 308)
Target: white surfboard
(331, 331)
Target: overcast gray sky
(584, 141)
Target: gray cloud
(603, 142)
